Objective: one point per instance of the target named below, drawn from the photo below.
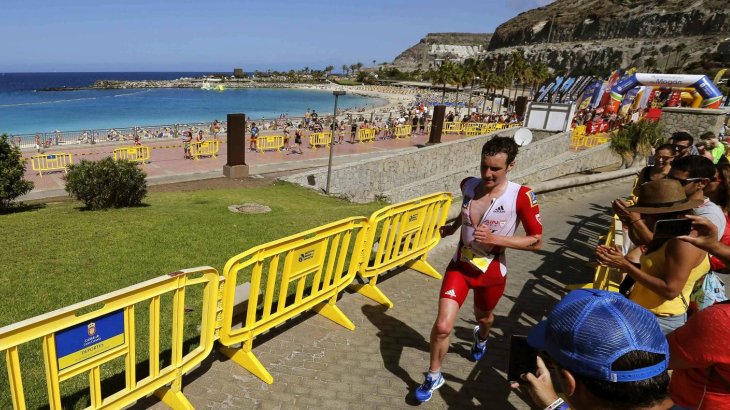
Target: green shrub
(637, 139)
(12, 169)
(107, 183)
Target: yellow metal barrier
(204, 149)
(404, 234)
(51, 162)
(320, 139)
(366, 135)
(451, 128)
(402, 131)
(499, 126)
(314, 264)
(76, 341)
(476, 128)
(270, 142)
(605, 278)
(139, 153)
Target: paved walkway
(168, 165)
(318, 364)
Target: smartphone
(669, 228)
(522, 358)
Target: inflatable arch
(711, 95)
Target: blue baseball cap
(589, 329)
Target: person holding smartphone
(670, 267)
(607, 353)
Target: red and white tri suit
(484, 268)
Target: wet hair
(682, 136)
(498, 145)
(697, 166)
(629, 395)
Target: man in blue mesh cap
(608, 353)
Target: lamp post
(337, 94)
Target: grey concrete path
(318, 364)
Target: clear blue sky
(217, 35)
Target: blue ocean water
(24, 110)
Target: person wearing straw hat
(669, 267)
(607, 352)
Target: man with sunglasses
(684, 143)
(607, 352)
(694, 172)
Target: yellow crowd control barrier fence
(402, 131)
(402, 234)
(366, 135)
(606, 278)
(270, 142)
(139, 153)
(295, 274)
(320, 139)
(477, 128)
(76, 341)
(51, 162)
(451, 128)
(205, 149)
(582, 141)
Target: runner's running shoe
(425, 391)
(477, 352)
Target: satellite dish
(523, 136)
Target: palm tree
(345, 68)
(650, 64)
(328, 69)
(353, 67)
(665, 50)
(442, 76)
(471, 72)
(540, 74)
(373, 62)
(460, 78)
(359, 66)
(502, 81)
(517, 68)
(680, 47)
(490, 83)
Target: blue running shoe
(425, 391)
(477, 352)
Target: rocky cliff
(600, 35)
(587, 20)
(452, 46)
(596, 37)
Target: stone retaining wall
(441, 164)
(696, 121)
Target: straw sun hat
(663, 196)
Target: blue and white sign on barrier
(86, 340)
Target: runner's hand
(539, 385)
(484, 236)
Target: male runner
(491, 210)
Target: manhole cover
(249, 208)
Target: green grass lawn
(57, 254)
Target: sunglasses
(685, 181)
